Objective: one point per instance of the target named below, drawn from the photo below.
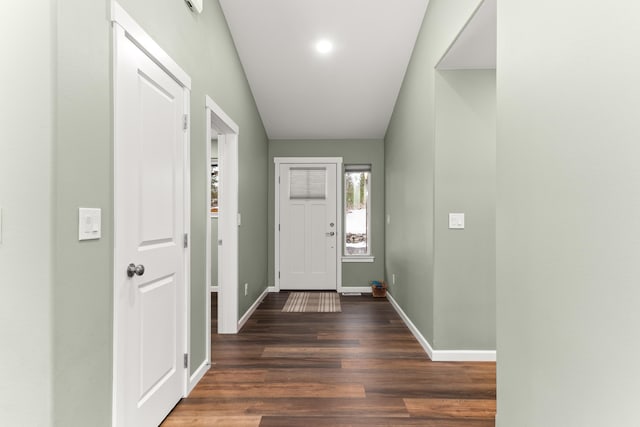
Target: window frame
(367, 257)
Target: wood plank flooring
(361, 367)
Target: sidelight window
(357, 203)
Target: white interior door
(308, 226)
(149, 226)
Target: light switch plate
(456, 221)
(89, 223)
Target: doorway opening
(224, 131)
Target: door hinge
(278, 179)
(278, 274)
(185, 122)
(219, 242)
(186, 240)
(278, 227)
(186, 360)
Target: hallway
(361, 367)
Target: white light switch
(89, 223)
(456, 220)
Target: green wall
(83, 302)
(83, 290)
(352, 151)
(465, 181)
(26, 155)
(568, 234)
(410, 158)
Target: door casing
(309, 161)
(124, 24)
(217, 121)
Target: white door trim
(309, 161)
(153, 50)
(123, 23)
(219, 122)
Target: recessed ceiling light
(324, 46)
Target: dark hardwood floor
(361, 367)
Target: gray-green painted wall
(410, 158)
(352, 151)
(465, 181)
(83, 176)
(568, 234)
(26, 156)
(83, 278)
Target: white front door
(308, 226)
(149, 225)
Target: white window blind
(307, 183)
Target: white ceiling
(476, 44)
(348, 94)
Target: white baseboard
(362, 289)
(416, 333)
(213, 288)
(442, 355)
(464, 356)
(252, 309)
(195, 378)
(271, 289)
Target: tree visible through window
(357, 210)
(214, 186)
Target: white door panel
(307, 209)
(149, 227)
(321, 246)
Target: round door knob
(133, 270)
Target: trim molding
(464, 356)
(221, 120)
(252, 309)
(361, 258)
(218, 122)
(195, 378)
(207, 251)
(363, 289)
(138, 36)
(414, 330)
(214, 288)
(442, 355)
